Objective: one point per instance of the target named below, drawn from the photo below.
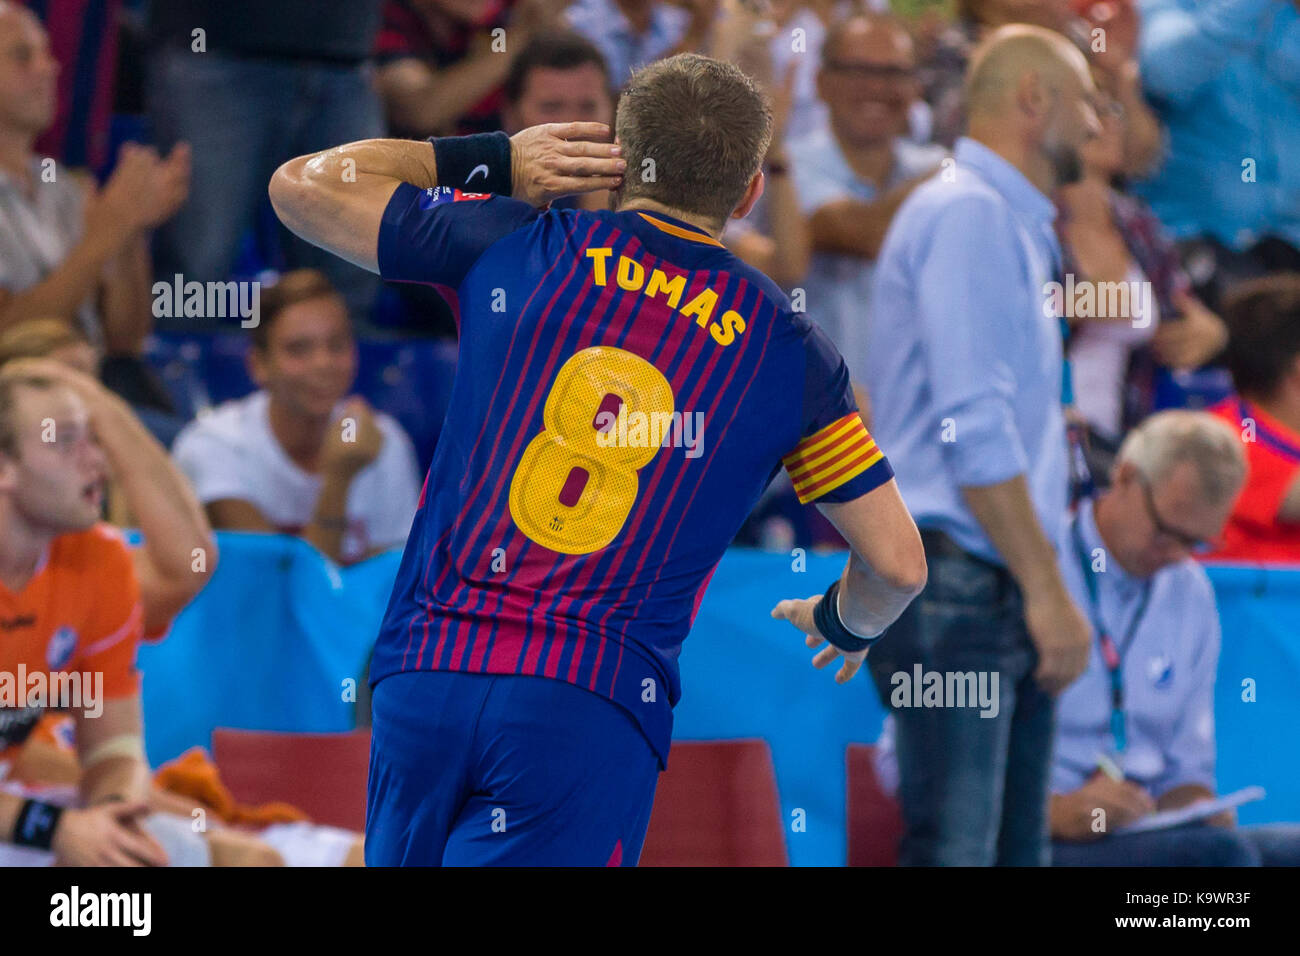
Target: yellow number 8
(570, 493)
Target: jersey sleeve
(109, 645)
(434, 236)
(836, 459)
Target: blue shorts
(480, 770)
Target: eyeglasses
(1184, 540)
(870, 71)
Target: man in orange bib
(70, 621)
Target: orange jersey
(79, 614)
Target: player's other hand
(106, 835)
(799, 612)
(353, 441)
(561, 159)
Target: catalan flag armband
(831, 457)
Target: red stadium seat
(875, 823)
(324, 775)
(717, 806)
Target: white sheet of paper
(1195, 811)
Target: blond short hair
(37, 338)
(1167, 439)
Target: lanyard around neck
(1111, 655)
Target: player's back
(625, 390)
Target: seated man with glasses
(1135, 733)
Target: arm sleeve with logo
(434, 236)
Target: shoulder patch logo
(59, 651)
(1161, 672)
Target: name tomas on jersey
(631, 276)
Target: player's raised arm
(336, 199)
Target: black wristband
(36, 824)
(826, 615)
(479, 163)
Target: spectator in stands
(792, 33)
(71, 605)
(1130, 561)
(774, 238)
(68, 251)
(145, 490)
(559, 77)
(52, 338)
(442, 62)
(632, 33)
(294, 457)
(1225, 78)
(84, 36)
(249, 84)
(49, 338)
(1108, 237)
(1263, 317)
(1112, 52)
(1108, 32)
(964, 370)
(851, 176)
(73, 617)
(942, 45)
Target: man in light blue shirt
(852, 173)
(964, 375)
(1224, 77)
(1144, 708)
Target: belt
(937, 544)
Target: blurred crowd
(137, 140)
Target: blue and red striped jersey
(625, 390)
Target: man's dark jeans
(973, 789)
